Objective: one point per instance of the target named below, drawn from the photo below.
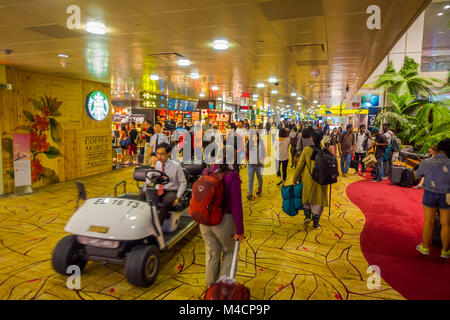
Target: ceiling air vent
(55, 31)
(290, 9)
(167, 56)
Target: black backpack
(325, 169)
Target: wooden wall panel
(74, 119)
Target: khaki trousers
(218, 239)
(147, 153)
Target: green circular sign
(97, 105)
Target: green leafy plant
(432, 124)
(406, 80)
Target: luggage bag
(396, 175)
(227, 288)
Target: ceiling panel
(150, 7)
(183, 19)
(267, 37)
(236, 14)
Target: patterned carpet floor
(281, 258)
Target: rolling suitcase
(396, 175)
(227, 288)
(407, 178)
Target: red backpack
(207, 199)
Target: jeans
(359, 157)
(387, 165)
(282, 164)
(345, 162)
(252, 170)
(380, 170)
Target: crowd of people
(294, 142)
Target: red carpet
(393, 228)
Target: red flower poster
(22, 157)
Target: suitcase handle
(234, 263)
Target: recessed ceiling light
(447, 7)
(154, 77)
(62, 55)
(260, 85)
(221, 44)
(214, 88)
(220, 99)
(299, 104)
(201, 95)
(184, 62)
(281, 100)
(274, 91)
(440, 14)
(254, 99)
(195, 75)
(294, 94)
(255, 96)
(315, 101)
(272, 79)
(96, 27)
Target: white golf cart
(126, 229)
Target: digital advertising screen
(173, 104)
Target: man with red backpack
(216, 205)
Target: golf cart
(125, 229)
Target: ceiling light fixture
(447, 7)
(440, 14)
(154, 77)
(260, 85)
(219, 99)
(315, 101)
(274, 91)
(214, 88)
(195, 75)
(201, 95)
(293, 94)
(281, 100)
(255, 96)
(272, 80)
(96, 27)
(221, 44)
(184, 62)
(63, 55)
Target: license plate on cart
(98, 229)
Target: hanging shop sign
(22, 160)
(153, 100)
(373, 112)
(137, 118)
(97, 105)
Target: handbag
(370, 161)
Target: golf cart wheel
(142, 265)
(67, 253)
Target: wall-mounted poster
(95, 152)
(22, 160)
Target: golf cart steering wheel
(158, 178)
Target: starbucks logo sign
(97, 105)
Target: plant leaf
(56, 113)
(10, 173)
(52, 152)
(37, 104)
(7, 146)
(28, 115)
(56, 130)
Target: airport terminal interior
(96, 95)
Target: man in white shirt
(157, 138)
(169, 194)
(362, 140)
